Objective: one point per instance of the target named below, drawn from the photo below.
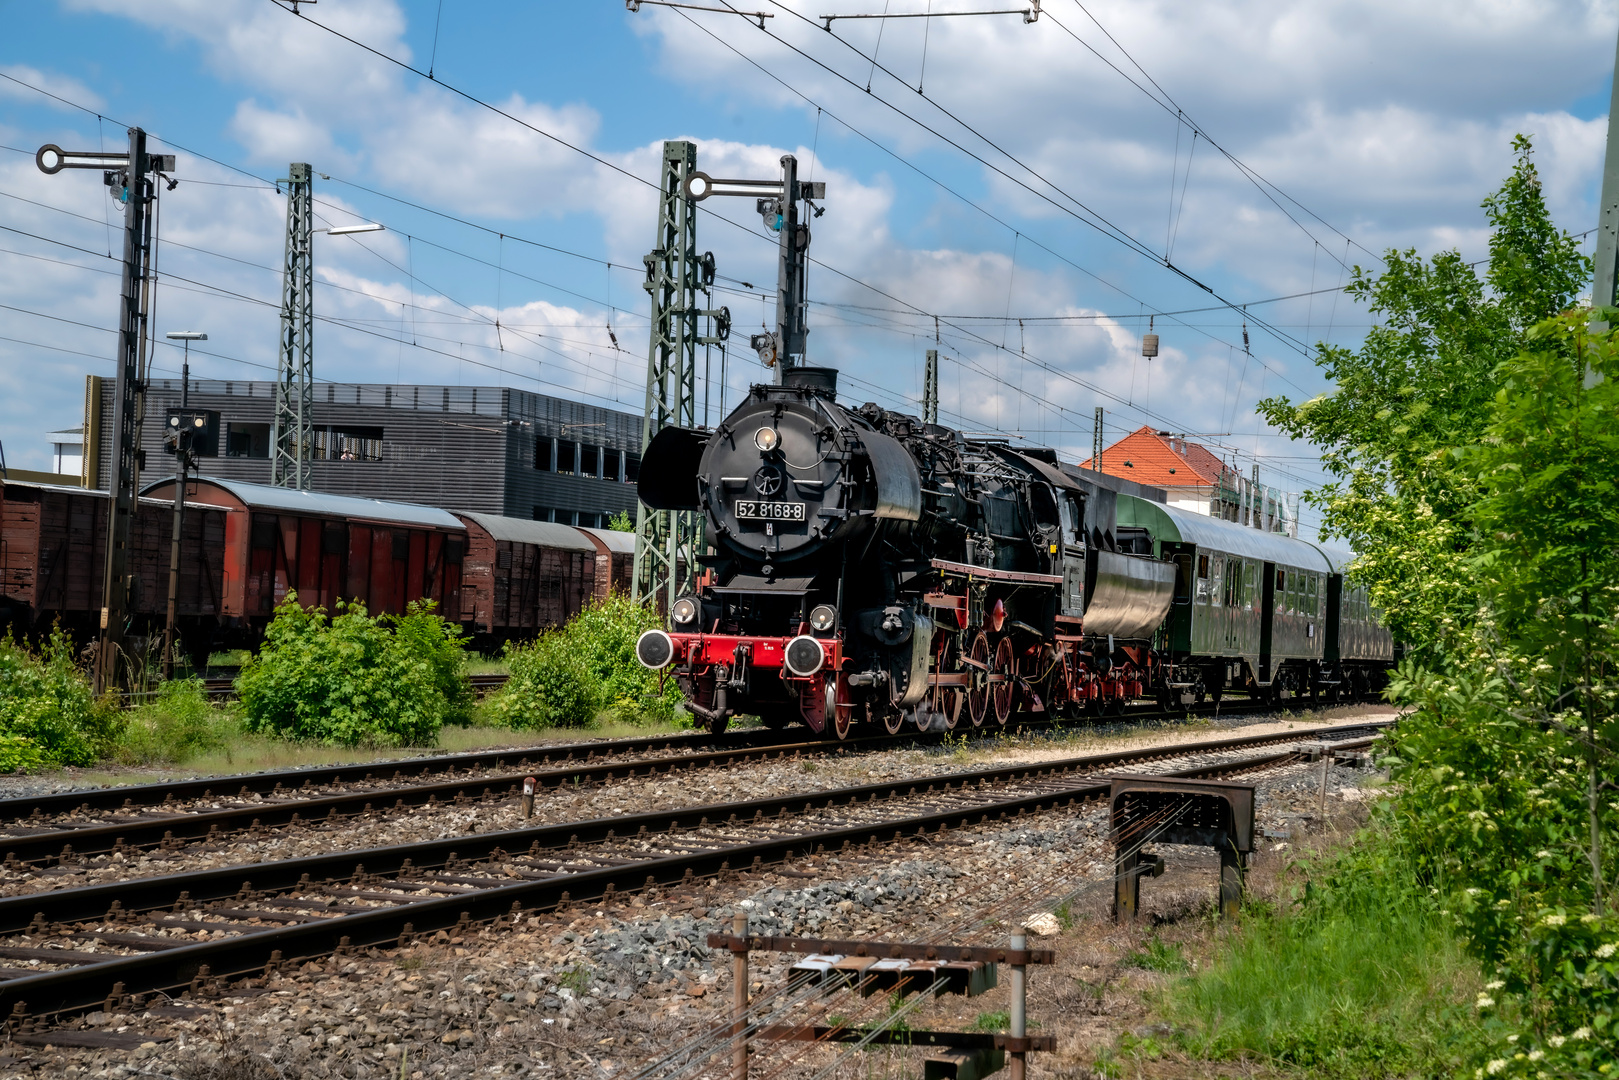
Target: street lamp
(187, 336)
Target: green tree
(1422, 383)
(621, 522)
(1508, 796)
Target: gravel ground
(620, 797)
(596, 992)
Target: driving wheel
(1004, 692)
(978, 694)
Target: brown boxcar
(53, 555)
(327, 548)
(522, 577)
(615, 560)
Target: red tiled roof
(1160, 460)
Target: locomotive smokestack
(818, 380)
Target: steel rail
(22, 808)
(260, 950)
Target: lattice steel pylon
(293, 434)
(667, 543)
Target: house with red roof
(1195, 479)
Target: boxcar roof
(519, 531)
(1175, 524)
(619, 543)
(289, 500)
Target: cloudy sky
(1015, 188)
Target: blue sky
(1385, 123)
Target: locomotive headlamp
(655, 649)
(804, 656)
(823, 618)
(766, 439)
(684, 610)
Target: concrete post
(1017, 1060)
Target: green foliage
(1360, 979)
(1157, 955)
(621, 522)
(48, 717)
(1476, 473)
(1423, 383)
(350, 680)
(175, 728)
(572, 675)
(992, 1021)
(1507, 761)
(438, 644)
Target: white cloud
(61, 86)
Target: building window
(543, 513)
(567, 457)
(589, 460)
(632, 468)
(610, 464)
(247, 440)
(348, 444)
(544, 455)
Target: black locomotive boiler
(867, 568)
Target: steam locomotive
(865, 568)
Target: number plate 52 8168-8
(760, 510)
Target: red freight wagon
(328, 548)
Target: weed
(1360, 979)
(810, 766)
(1064, 914)
(995, 1021)
(1158, 955)
(410, 962)
(576, 978)
(178, 726)
(48, 716)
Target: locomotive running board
(968, 570)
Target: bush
(176, 727)
(574, 674)
(349, 680)
(48, 716)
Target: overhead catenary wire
(581, 150)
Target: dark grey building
(487, 449)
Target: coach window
(1183, 579)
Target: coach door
(1231, 616)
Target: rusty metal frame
(1215, 813)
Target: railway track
(54, 830)
(101, 946)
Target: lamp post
(179, 434)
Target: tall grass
(1359, 978)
